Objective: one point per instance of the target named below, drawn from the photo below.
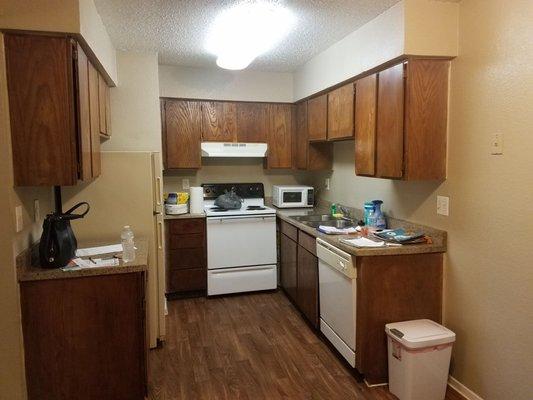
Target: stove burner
(255, 208)
(218, 209)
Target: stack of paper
(362, 242)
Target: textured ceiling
(177, 29)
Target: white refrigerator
(128, 192)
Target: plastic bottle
(128, 246)
(368, 207)
(380, 221)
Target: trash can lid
(419, 333)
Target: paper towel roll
(197, 200)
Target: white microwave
(293, 196)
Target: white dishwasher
(337, 292)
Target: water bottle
(128, 246)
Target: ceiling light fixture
(247, 30)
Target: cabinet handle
(158, 188)
(160, 235)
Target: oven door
(241, 241)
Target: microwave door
(292, 198)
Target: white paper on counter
(93, 251)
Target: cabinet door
(94, 110)
(219, 121)
(390, 115)
(317, 117)
(252, 122)
(39, 71)
(301, 138)
(340, 112)
(102, 95)
(182, 134)
(308, 285)
(279, 136)
(84, 116)
(365, 125)
(289, 272)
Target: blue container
(379, 221)
(369, 209)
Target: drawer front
(185, 280)
(186, 226)
(187, 258)
(307, 241)
(192, 241)
(289, 230)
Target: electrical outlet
(185, 184)
(18, 219)
(443, 205)
(496, 144)
(327, 184)
(36, 211)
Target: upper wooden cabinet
(279, 136)
(307, 155)
(219, 121)
(50, 81)
(182, 133)
(317, 118)
(104, 107)
(340, 113)
(365, 125)
(252, 122)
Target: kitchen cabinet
(252, 122)
(85, 337)
(53, 107)
(186, 257)
(289, 271)
(365, 124)
(104, 109)
(341, 113)
(219, 121)
(279, 136)
(182, 134)
(317, 117)
(310, 156)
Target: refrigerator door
(161, 284)
(157, 172)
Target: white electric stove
(241, 244)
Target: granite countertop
(183, 216)
(438, 237)
(28, 271)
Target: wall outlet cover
(443, 205)
(185, 184)
(327, 184)
(496, 144)
(36, 210)
(19, 225)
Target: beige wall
(489, 279)
(219, 84)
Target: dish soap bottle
(128, 246)
(379, 219)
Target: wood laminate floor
(253, 346)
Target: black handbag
(58, 244)
(229, 200)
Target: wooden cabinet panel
(340, 112)
(252, 122)
(193, 240)
(102, 95)
(426, 119)
(182, 134)
(84, 126)
(288, 264)
(365, 125)
(317, 117)
(41, 105)
(308, 285)
(279, 137)
(219, 121)
(320, 156)
(94, 110)
(84, 338)
(187, 226)
(289, 230)
(307, 241)
(390, 117)
(187, 280)
(187, 258)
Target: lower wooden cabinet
(289, 268)
(186, 257)
(85, 337)
(308, 285)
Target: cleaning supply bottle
(128, 246)
(333, 209)
(379, 218)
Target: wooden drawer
(187, 258)
(289, 230)
(186, 226)
(184, 280)
(307, 241)
(192, 241)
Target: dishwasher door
(337, 292)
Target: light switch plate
(327, 184)
(18, 219)
(36, 211)
(185, 184)
(496, 144)
(443, 205)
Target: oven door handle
(241, 217)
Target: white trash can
(419, 359)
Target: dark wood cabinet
(340, 113)
(84, 129)
(104, 109)
(186, 257)
(279, 136)
(85, 337)
(289, 266)
(365, 124)
(317, 117)
(252, 122)
(182, 132)
(219, 121)
(94, 110)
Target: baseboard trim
(462, 389)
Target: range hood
(225, 149)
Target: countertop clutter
(28, 270)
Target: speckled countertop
(438, 237)
(28, 271)
(184, 216)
